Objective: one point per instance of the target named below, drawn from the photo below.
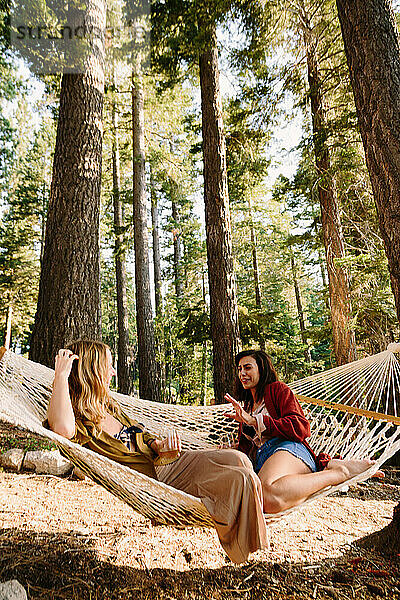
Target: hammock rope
(353, 410)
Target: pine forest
(234, 188)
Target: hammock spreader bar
(350, 409)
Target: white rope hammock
(353, 409)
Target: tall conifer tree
(372, 46)
(69, 290)
(191, 30)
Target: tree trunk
(7, 337)
(204, 357)
(43, 220)
(160, 336)
(149, 379)
(371, 42)
(223, 305)
(339, 292)
(300, 312)
(204, 361)
(173, 186)
(387, 540)
(256, 273)
(69, 289)
(123, 379)
(156, 248)
(177, 241)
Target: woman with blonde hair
(82, 409)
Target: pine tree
(191, 30)
(124, 382)
(69, 290)
(372, 46)
(374, 68)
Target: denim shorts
(277, 444)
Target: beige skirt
(226, 484)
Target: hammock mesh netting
(353, 410)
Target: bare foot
(351, 468)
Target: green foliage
(19, 267)
(281, 227)
(180, 32)
(28, 443)
(109, 307)
(195, 324)
(187, 353)
(25, 192)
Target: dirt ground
(70, 539)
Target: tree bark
(149, 378)
(156, 248)
(300, 312)
(387, 540)
(123, 379)
(256, 273)
(69, 289)
(7, 337)
(203, 396)
(222, 288)
(177, 242)
(372, 46)
(159, 335)
(339, 290)
(43, 219)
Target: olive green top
(142, 459)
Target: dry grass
(65, 539)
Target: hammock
(354, 411)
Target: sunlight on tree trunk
(339, 290)
(69, 290)
(372, 46)
(223, 305)
(7, 338)
(149, 378)
(123, 378)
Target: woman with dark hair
(82, 409)
(273, 431)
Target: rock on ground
(47, 461)
(12, 590)
(12, 459)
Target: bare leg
(287, 481)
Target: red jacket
(285, 419)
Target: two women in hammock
(279, 471)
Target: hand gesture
(240, 415)
(63, 365)
(170, 446)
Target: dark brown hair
(267, 375)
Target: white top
(258, 413)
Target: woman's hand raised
(63, 366)
(240, 415)
(59, 412)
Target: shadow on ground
(66, 566)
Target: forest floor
(68, 539)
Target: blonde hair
(88, 382)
